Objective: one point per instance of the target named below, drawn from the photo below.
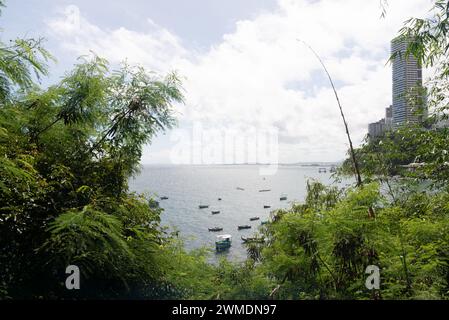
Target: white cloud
(260, 75)
(156, 47)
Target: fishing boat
(215, 229)
(265, 190)
(266, 207)
(244, 227)
(254, 219)
(164, 198)
(215, 212)
(223, 242)
(201, 206)
(253, 240)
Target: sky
(253, 92)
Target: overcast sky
(241, 63)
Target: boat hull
(222, 245)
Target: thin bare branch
(354, 160)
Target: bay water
(238, 187)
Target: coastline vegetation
(68, 150)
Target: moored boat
(254, 219)
(265, 190)
(244, 227)
(215, 212)
(266, 207)
(215, 229)
(223, 242)
(201, 206)
(164, 198)
(253, 240)
(283, 198)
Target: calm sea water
(187, 187)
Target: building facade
(408, 98)
(376, 129)
(389, 118)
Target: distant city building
(407, 78)
(408, 98)
(376, 129)
(389, 118)
(389, 112)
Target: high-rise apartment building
(408, 102)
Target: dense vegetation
(68, 150)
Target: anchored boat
(215, 229)
(223, 242)
(164, 198)
(244, 227)
(254, 219)
(252, 240)
(266, 207)
(215, 212)
(201, 206)
(283, 198)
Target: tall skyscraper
(408, 100)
